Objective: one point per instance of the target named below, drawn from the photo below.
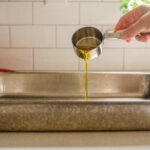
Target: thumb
(133, 30)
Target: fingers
(128, 19)
(133, 30)
(142, 25)
(131, 17)
(124, 22)
(143, 38)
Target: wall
(37, 37)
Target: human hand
(134, 22)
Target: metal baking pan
(55, 102)
(73, 84)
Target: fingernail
(128, 41)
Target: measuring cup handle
(113, 34)
(117, 34)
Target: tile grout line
(41, 1)
(79, 65)
(33, 59)
(56, 28)
(32, 47)
(10, 42)
(32, 13)
(95, 1)
(68, 48)
(54, 24)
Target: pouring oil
(85, 45)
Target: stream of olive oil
(86, 80)
(85, 45)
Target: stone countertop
(75, 140)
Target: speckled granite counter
(39, 114)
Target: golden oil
(84, 52)
(86, 79)
(85, 45)
(88, 43)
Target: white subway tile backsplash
(25, 0)
(37, 36)
(16, 59)
(148, 44)
(111, 0)
(56, 1)
(4, 36)
(108, 28)
(85, 0)
(52, 13)
(44, 1)
(64, 35)
(55, 60)
(99, 13)
(94, 0)
(15, 13)
(137, 60)
(109, 60)
(33, 36)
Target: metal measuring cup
(91, 32)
